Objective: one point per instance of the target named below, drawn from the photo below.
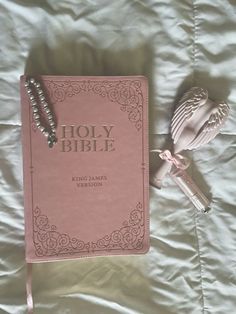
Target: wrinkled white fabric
(191, 266)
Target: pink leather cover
(88, 195)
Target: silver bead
(52, 137)
(50, 144)
(35, 103)
(36, 115)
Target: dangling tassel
(30, 304)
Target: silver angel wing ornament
(211, 127)
(196, 121)
(188, 105)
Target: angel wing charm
(196, 121)
(211, 127)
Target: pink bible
(88, 194)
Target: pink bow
(178, 160)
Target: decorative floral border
(48, 241)
(126, 93)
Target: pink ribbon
(30, 304)
(178, 160)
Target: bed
(191, 265)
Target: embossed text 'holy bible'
(88, 194)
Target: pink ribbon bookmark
(30, 304)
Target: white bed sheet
(191, 266)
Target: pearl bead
(35, 103)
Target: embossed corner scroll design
(48, 241)
(126, 93)
(130, 236)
